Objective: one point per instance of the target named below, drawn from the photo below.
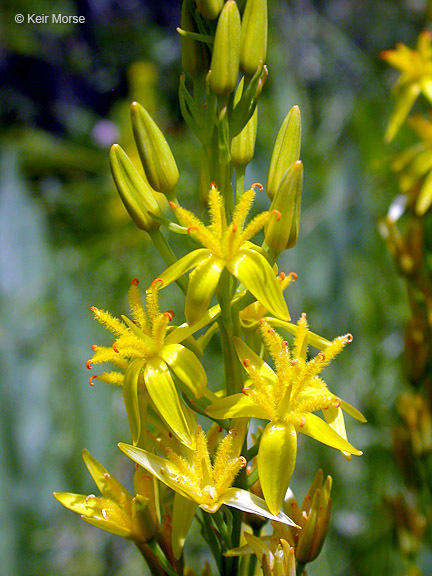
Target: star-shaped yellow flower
(115, 511)
(198, 481)
(147, 352)
(226, 246)
(288, 398)
(416, 78)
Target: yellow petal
(202, 285)
(315, 427)
(164, 396)
(256, 274)
(186, 367)
(276, 462)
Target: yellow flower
(198, 481)
(147, 352)
(287, 398)
(115, 511)
(226, 246)
(416, 78)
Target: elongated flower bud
(281, 232)
(243, 145)
(195, 55)
(155, 153)
(136, 195)
(286, 150)
(314, 530)
(225, 60)
(253, 47)
(210, 9)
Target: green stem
(155, 559)
(228, 329)
(167, 255)
(240, 179)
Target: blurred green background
(66, 243)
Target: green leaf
(164, 396)
(186, 367)
(256, 274)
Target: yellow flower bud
(225, 60)
(282, 230)
(210, 9)
(135, 193)
(155, 153)
(253, 47)
(194, 55)
(286, 150)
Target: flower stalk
(191, 437)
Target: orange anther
(93, 308)
(338, 402)
(326, 408)
(135, 282)
(270, 331)
(188, 230)
(106, 475)
(220, 429)
(285, 343)
(94, 347)
(282, 276)
(243, 461)
(233, 432)
(246, 362)
(234, 227)
(293, 276)
(169, 314)
(91, 380)
(322, 356)
(294, 362)
(278, 214)
(303, 315)
(114, 347)
(173, 205)
(256, 185)
(245, 391)
(302, 422)
(213, 185)
(89, 364)
(349, 338)
(262, 321)
(156, 281)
